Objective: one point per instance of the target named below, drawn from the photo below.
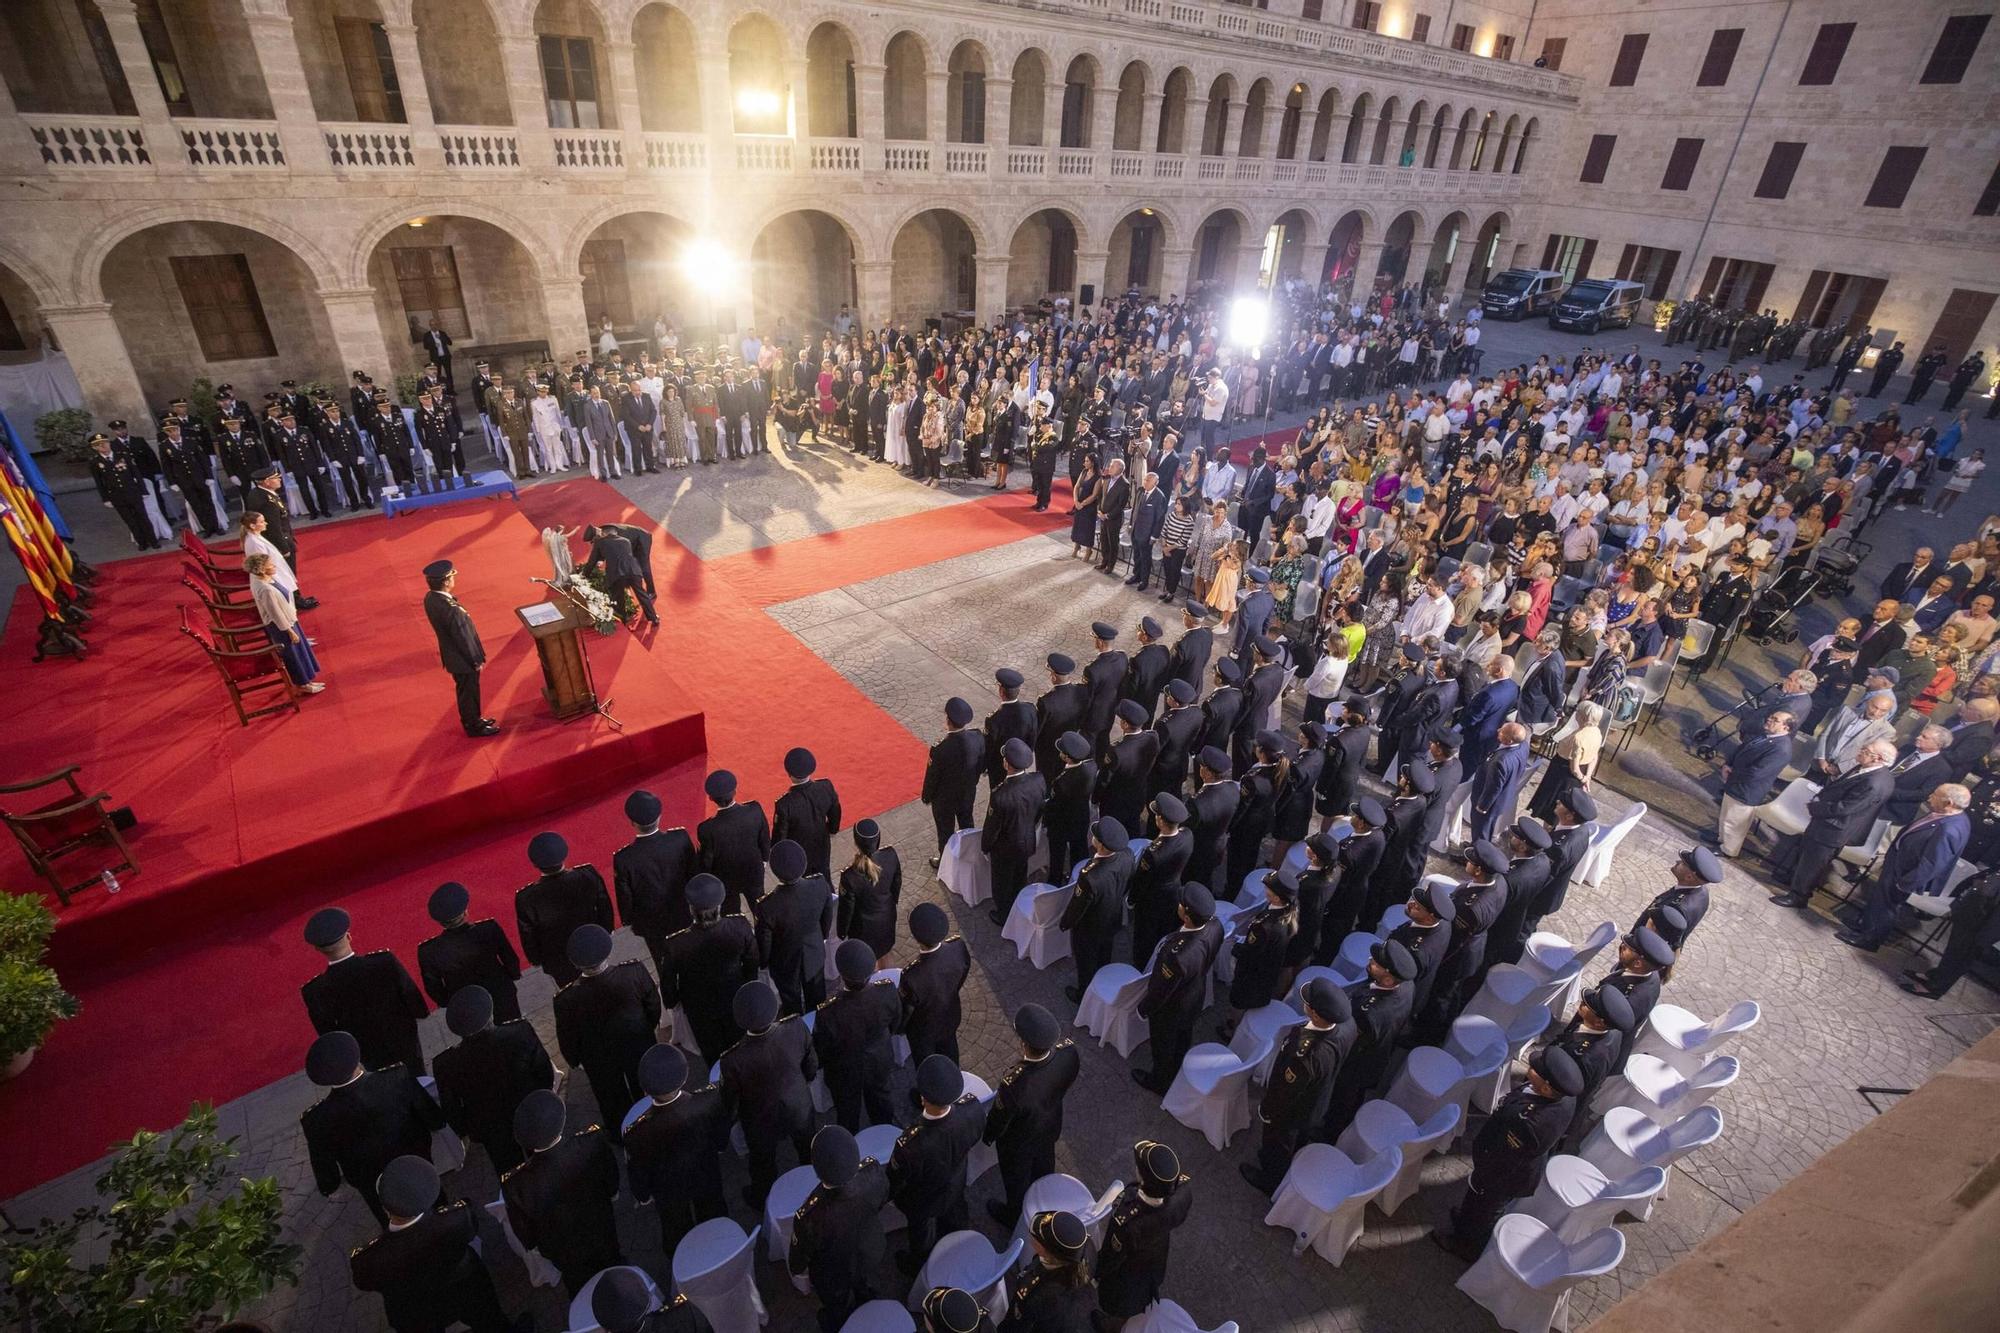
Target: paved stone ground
(1834, 1021)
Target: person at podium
(458, 645)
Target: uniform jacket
(482, 1080)
(477, 953)
(548, 911)
(459, 648)
(649, 875)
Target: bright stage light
(1249, 320)
(708, 265)
(758, 102)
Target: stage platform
(264, 816)
(480, 486)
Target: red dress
(826, 403)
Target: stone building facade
(258, 189)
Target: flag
(1035, 376)
(28, 551)
(33, 521)
(31, 477)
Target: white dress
(256, 543)
(895, 445)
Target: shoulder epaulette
(1064, 1044)
(881, 981)
(824, 1003)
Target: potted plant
(179, 1242)
(32, 1001)
(65, 432)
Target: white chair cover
(963, 869)
(1031, 924)
(1427, 1081)
(712, 1268)
(1527, 1025)
(1576, 1198)
(541, 1272)
(788, 1194)
(1431, 1136)
(1377, 1126)
(898, 1043)
(1676, 1037)
(1663, 1092)
(1604, 843)
(1525, 1276)
(878, 1141)
(581, 1320)
(1548, 954)
(1323, 1196)
(1059, 1193)
(1264, 1028)
(1163, 1316)
(880, 1317)
(1626, 1141)
(1212, 1091)
(968, 1261)
(1352, 963)
(1110, 1008)
(984, 1156)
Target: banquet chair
(1033, 924)
(1058, 1193)
(968, 1261)
(1661, 1092)
(1627, 1140)
(1377, 1126)
(1576, 1198)
(984, 1156)
(1787, 813)
(712, 1268)
(1352, 960)
(1110, 1008)
(1677, 1038)
(1264, 1027)
(583, 1320)
(963, 869)
(1324, 1195)
(250, 675)
(878, 1141)
(1527, 1025)
(1428, 1080)
(1526, 1273)
(541, 1273)
(1212, 1091)
(63, 827)
(1164, 1316)
(880, 1317)
(1596, 862)
(1548, 953)
(1431, 1137)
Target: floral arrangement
(592, 600)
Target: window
(427, 279)
(1503, 46)
(569, 77)
(1715, 66)
(1954, 49)
(1680, 166)
(1598, 158)
(1570, 256)
(1552, 52)
(1630, 52)
(1461, 36)
(972, 106)
(1828, 49)
(1062, 259)
(1073, 125)
(1894, 177)
(1367, 15)
(1989, 198)
(1779, 167)
(166, 64)
(371, 70)
(1208, 261)
(1651, 268)
(606, 290)
(1420, 28)
(221, 300)
(1311, 9)
(1737, 283)
(1139, 268)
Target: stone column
(163, 140)
(1149, 122)
(96, 350)
(623, 58)
(797, 81)
(520, 57)
(1461, 266)
(1419, 260)
(357, 331)
(937, 83)
(1103, 122)
(869, 117)
(1367, 261)
(718, 110)
(562, 308)
(1308, 126)
(999, 126)
(1176, 269)
(872, 279)
(1052, 114)
(418, 114)
(990, 296)
(277, 50)
(1312, 262)
(1232, 127)
(1193, 120)
(1091, 270)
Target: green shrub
(65, 432)
(25, 926)
(32, 1001)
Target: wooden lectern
(558, 629)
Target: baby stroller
(1836, 562)
(1774, 615)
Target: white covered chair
(1427, 1081)
(1786, 812)
(1308, 975)
(1164, 1316)
(1470, 1034)
(1548, 954)
(1250, 893)
(1212, 1091)
(1110, 1008)
(1059, 1193)
(581, 1320)
(713, 1269)
(1323, 1196)
(1379, 1124)
(1504, 995)
(1529, 1024)
(1676, 1037)
(789, 1193)
(878, 1141)
(898, 1043)
(1032, 924)
(1596, 862)
(1576, 1199)
(1526, 1274)
(984, 1156)
(1352, 961)
(541, 1272)
(880, 1317)
(1479, 1072)
(1264, 1028)
(1626, 1141)
(1661, 1092)
(964, 870)
(1394, 915)
(968, 1261)
(1431, 1137)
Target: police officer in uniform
(1511, 1149)
(606, 1021)
(1189, 660)
(1147, 672)
(735, 841)
(793, 921)
(1694, 871)
(837, 1236)
(1527, 873)
(1427, 934)
(674, 1145)
(927, 1169)
(1302, 1077)
(243, 456)
(950, 1310)
(809, 813)
(1265, 940)
(650, 874)
(1066, 812)
(1133, 1262)
(1101, 679)
(121, 487)
(439, 439)
(1643, 959)
(1064, 708)
(1174, 988)
(1154, 891)
(468, 953)
(852, 1034)
(765, 1083)
(1406, 851)
(189, 468)
(1476, 904)
(1054, 1293)
(548, 911)
(1177, 729)
(1223, 708)
(623, 1303)
(369, 995)
(1359, 856)
(951, 775)
(1124, 781)
(482, 1080)
(702, 967)
(1014, 719)
(1597, 1038)
(1381, 1004)
(1211, 811)
(1568, 841)
(1096, 906)
(1026, 1118)
(930, 985)
(559, 1201)
(1012, 816)
(340, 442)
(424, 1265)
(300, 453)
(459, 648)
(367, 1119)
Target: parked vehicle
(1518, 292)
(1597, 303)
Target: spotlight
(758, 102)
(1249, 320)
(708, 265)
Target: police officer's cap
(939, 1081)
(788, 860)
(1265, 645)
(1229, 671)
(855, 962)
(1059, 1233)
(1170, 808)
(1327, 1000)
(589, 945)
(1323, 846)
(1132, 711)
(1073, 745)
(1111, 833)
(705, 893)
(957, 711)
(1180, 691)
(99, 437)
(1313, 732)
(1581, 802)
(408, 1187)
(1215, 759)
(332, 1059)
(1530, 831)
(1062, 664)
(437, 570)
(448, 902)
(1704, 863)
(1449, 740)
(1018, 753)
(1272, 741)
(1258, 574)
(1197, 901)
(621, 1300)
(1283, 883)
(1392, 954)
(1103, 632)
(116, 423)
(867, 836)
(1559, 1067)
(470, 1010)
(1195, 610)
(836, 1156)
(1149, 627)
(720, 786)
(325, 927)
(539, 1119)
(1612, 1006)
(270, 470)
(1036, 1027)
(548, 851)
(1371, 812)
(799, 762)
(642, 807)
(1439, 898)
(1651, 945)
(1159, 1167)
(755, 1006)
(949, 1310)
(1413, 650)
(1423, 779)
(1009, 678)
(928, 924)
(1489, 857)
(663, 1070)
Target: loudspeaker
(1087, 294)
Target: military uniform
(1295, 1098)
(1048, 1300)
(735, 843)
(793, 921)
(809, 815)
(1259, 958)
(852, 1034)
(1154, 892)
(700, 970)
(547, 913)
(951, 781)
(838, 1242)
(1125, 781)
(649, 878)
(190, 468)
(1025, 1121)
(929, 989)
(765, 1082)
(1008, 837)
(605, 1022)
(1063, 708)
(1095, 910)
(1012, 720)
(927, 1172)
(370, 995)
(1173, 998)
(1132, 1264)
(472, 953)
(1210, 813)
(429, 1276)
(1066, 815)
(482, 1080)
(1379, 1019)
(1507, 1159)
(559, 1202)
(360, 1127)
(673, 1154)
(121, 486)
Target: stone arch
(1448, 238)
(933, 254)
(664, 43)
(1136, 247)
(1350, 231)
(1461, 146)
(981, 229)
(1385, 128)
(1128, 120)
(759, 70)
(1081, 77)
(1256, 109)
(1299, 225)
(1440, 126)
(1484, 261)
(1352, 149)
(86, 274)
(630, 258)
(1030, 71)
(1404, 231)
(966, 72)
(1412, 149)
(1322, 137)
(41, 284)
(585, 19)
(797, 269)
(458, 46)
(1086, 237)
(384, 223)
(1215, 122)
(1175, 91)
(1043, 247)
(1291, 115)
(1506, 149)
(907, 60)
(1220, 239)
(1521, 149)
(832, 100)
(569, 257)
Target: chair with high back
(1431, 1137)
(582, 1320)
(1211, 1092)
(1351, 962)
(1678, 1039)
(1658, 1090)
(712, 1267)
(984, 1156)
(1596, 863)
(1033, 924)
(1265, 1027)
(250, 675)
(1527, 1025)
(1575, 1198)
(1324, 1195)
(1110, 1008)
(228, 608)
(1627, 1140)
(1480, 554)
(968, 1261)
(1059, 1193)
(1164, 1316)
(788, 1194)
(1787, 812)
(541, 1273)
(1378, 1125)
(1695, 640)
(1526, 1274)
(59, 828)
(963, 869)
(1427, 1081)
(880, 1317)
(1548, 953)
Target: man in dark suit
(1149, 515)
(1883, 635)
(1841, 815)
(1917, 775)
(1498, 783)
(1480, 718)
(1920, 860)
(1013, 814)
(437, 350)
(1253, 508)
(951, 776)
(640, 538)
(1972, 733)
(612, 554)
(1111, 505)
(1547, 683)
(1197, 644)
(641, 419)
(1748, 777)
(458, 645)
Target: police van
(1519, 292)
(1597, 303)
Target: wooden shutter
(222, 304)
(1631, 52)
(1721, 57)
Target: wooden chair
(70, 823)
(251, 674)
(226, 610)
(216, 580)
(221, 555)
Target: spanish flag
(33, 520)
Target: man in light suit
(1920, 860)
(1842, 813)
(1748, 777)
(1497, 784)
(1849, 730)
